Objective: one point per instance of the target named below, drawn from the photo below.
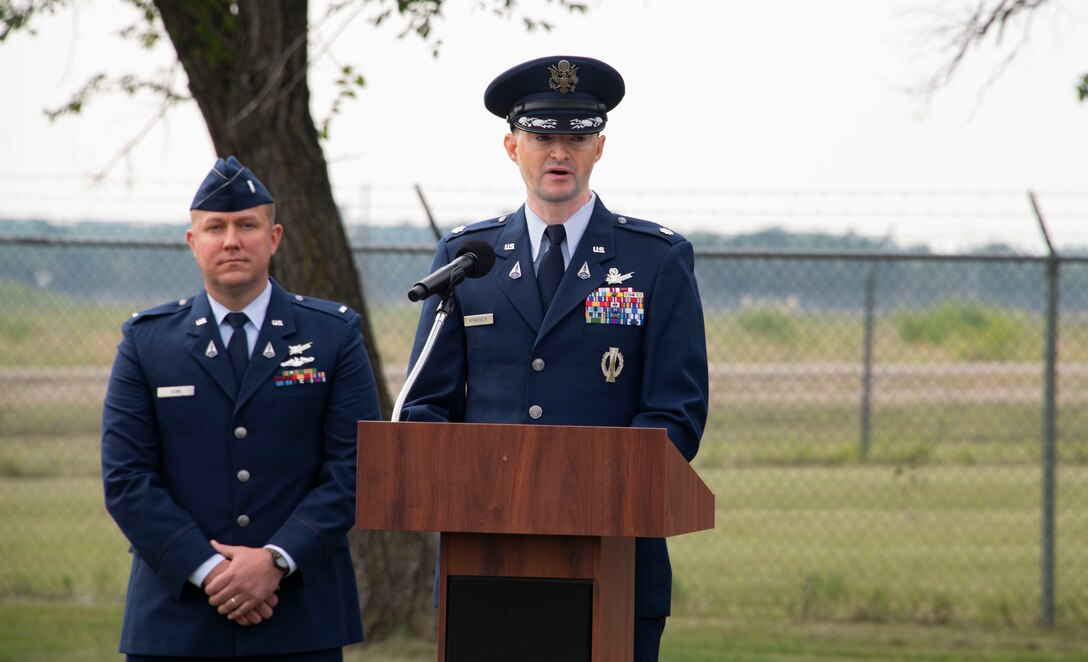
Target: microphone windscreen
(485, 257)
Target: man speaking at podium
(587, 318)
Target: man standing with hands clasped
(228, 451)
(588, 317)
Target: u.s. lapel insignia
(277, 322)
(298, 349)
(515, 273)
(612, 364)
(508, 247)
(583, 273)
(269, 352)
(211, 352)
(614, 276)
(202, 321)
(598, 249)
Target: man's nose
(230, 238)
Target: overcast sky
(738, 115)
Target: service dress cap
(230, 186)
(558, 94)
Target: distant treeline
(161, 268)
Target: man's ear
(510, 142)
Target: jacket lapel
(521, 289)
(206, 344)
(596, 247)
(279, 323)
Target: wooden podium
(538, 526)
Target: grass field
(926, 548)
(67, 632)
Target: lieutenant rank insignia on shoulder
(615, 305)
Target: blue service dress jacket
(622, 344)
(189, 456)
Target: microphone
(473, 260)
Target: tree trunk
(247, 72)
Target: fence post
(1050, 352)
(867, 359)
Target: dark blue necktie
(238, 347)
(551, 267)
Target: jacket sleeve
(160, 531)
(675, 390)
(323, 517)
(439, 392)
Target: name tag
(479, 320)
(176, 391)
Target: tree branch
(970, 31)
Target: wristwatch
(279, 560)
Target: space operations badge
(615, 305)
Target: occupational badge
(269, 352)
(583, 273)
(298, 349)
(296, 361)
(294, 351)
(515, 273)
(211, 352)
(612, 364)
(614, 276)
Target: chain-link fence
(878, 438)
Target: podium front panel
(499, 619)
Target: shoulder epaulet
(333, 308)
(462, 230)
(169, 308)
(649, 227)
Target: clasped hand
(243, 587)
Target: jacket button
(243, 476)
(243, 521)
(240, 432)
(535, 411)
(538, 364)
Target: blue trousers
(648, 638)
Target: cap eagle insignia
(564, 77)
